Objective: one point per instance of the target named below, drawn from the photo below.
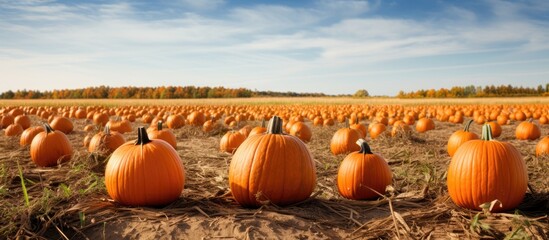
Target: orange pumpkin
(196, 118)
(496, 129)
(344, 141)
(376, 129)
(362, 174)
(29, 134)
(50, 147)
(23, 120)
(542, 147)
(145, 173)
(246, 130)
(272, 167)
(6, 120)
(424, 125)
(360, 127)
(162, 134)
(119, 125)
(484, 170)
(459, 137)
(106, 142)
(62, 124)
(175, 121)
(259, 129)
(302, 131)
(231, 141)
(13, 130)
(527, 130)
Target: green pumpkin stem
(467, 125)
(364, 147)
(275, 125)
(107, 130)
(159, 126)
(48, 128)
(142, 137)
(486, 132)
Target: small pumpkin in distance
(344, 141)
(29, 134)
(363, 174)
(424, 125)
(23, 120)
(259, 129)
(302, 131)
(231, 141)
(542, 147)
(62, 124)
(13, 130)
(106, 142)
(147, 172)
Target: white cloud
(203, 4)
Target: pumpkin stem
(107, 130)
(159, 126)
(275, 125)
(142, 137)
(48, 128)
(486, 132)
(364, 147)
(467, 125)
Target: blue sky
(330, 46)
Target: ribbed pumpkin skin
(376, 130)
(151, 174)
(163, 134)
(424, 125)
(48, 147)
(527, 131)
(482, 171)
(344, 141)
(62, 124)
(277, 166)
(458, 138)
(359, 172)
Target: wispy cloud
(245, 43)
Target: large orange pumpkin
(459, 137)
(50, 147)
(144, 173)
(484, 170)
(272, 167)
(363, 173)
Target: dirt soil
(70, 201)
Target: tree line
(169, 92)
(478, 91)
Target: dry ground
(70, 201)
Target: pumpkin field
(275, 168)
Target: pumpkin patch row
(271, 166)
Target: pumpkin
(259, 129)
(6, 120)
(424, 125)
(50, 147)
(89, 128)
(344, 141)
(484, 170)
(231, 141)
(100, 119)
(208, 125)
(272, 167)
(23, 120)
(62, 124)
(29, 134)
(148, 172)
(360, 127)
(527, 130)
(363, 173)
(13, 130)
(542, 147)
(87, 140)
(246, 130)
(400, 129)
(376, 129)
(119, 125)
(496, 129)
(196, 118)
(175, 121)
(163, 134)
(302, 131)
(106, 142)
(459, 137)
